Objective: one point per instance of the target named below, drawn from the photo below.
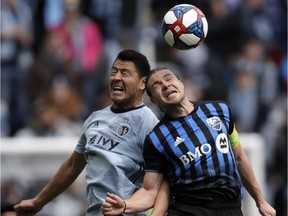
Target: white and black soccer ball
(184, 27)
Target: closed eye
(156, 85)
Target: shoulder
(148, 116)
(102, 112)
(213, 105)
(144, 112)
(147, 110)
(203, 103)
(163, 121)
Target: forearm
(162, 200)
(250, 182)
(145, 197)
(59, 183)
(141, 201)
(248, 177)
(64, 177)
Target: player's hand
(266, 210)
(113, 205)
(27, 208)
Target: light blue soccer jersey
(111, 142)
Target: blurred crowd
(56, 56)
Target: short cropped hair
(140, 61)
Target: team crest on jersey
(123, 129)
(214, 123)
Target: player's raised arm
(65, 176)
(141, 200)
(250, 182)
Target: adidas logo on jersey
(178, 141)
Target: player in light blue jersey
(110, 146)
(116, 137)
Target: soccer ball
(184, 27)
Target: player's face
(125, 86)
(166, 88)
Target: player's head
(164, 87)
(127, 79)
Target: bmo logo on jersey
(199, 151)
(222, 145)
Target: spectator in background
(50, 62)
(53, 13)
(224, 40)
(65, 100)
(42, 124)
(225, 34)
(58, 113)
(16, 42)
(244, 99)
(255, 84)
(255, 20)
(83, 45)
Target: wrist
(124, 209)
(260, 202)
(38, 202)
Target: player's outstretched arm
(162, 200)
(140, 201)
(64, 177)
(250, 183)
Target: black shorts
(184, 210)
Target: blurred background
(56, 57)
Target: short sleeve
(154, 160)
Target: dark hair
(140, 61)
(153, 72)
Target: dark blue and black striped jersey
(195, 151)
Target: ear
(142, 81)
(181, 81)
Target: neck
(184, 108)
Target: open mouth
(117, 89)
(169, 93)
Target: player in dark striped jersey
(197, 148)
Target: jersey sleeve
(154, 161)
(80, 147)
(233, 134)
(231, 122)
